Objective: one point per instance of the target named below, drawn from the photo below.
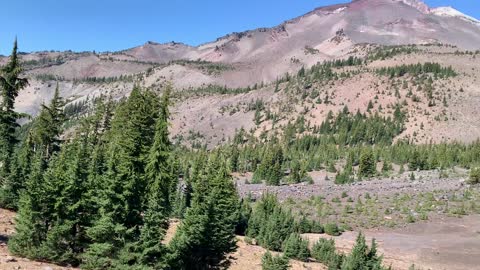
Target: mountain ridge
(239, 68)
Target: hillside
(256, 59)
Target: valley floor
(450, 243)
(444, 240)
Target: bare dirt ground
(249, 257)
(446, 244)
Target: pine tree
(149, 250)
(10, 85)
(158, 170)
(97, 129)
(270, 169)
(38, 206)
(324, 251)
(34, 213)
(123, 198)
(362, 257)
(368, 166)
(270, 224)
(295, 247)
(244, 216)
(21, 169)
(270, 262)
(48, 126)
(67, 178)
(206, 234)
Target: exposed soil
(446, 244)
(249, 257)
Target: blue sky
(109, 25)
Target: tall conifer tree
(10, 85)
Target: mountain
(260, 56)
(386, 22)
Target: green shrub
(332, 229)
(324, 251)
(270, 224)
(270, 262)
(317, 227)
(295, 247)
(362, 256)
(304, 225)
(474, 176)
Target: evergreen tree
(34, 213)
(206, 234)
(324, 251)
(20, 172)
(244, 216)
(270, 168)
(10, 85)
(270, 224)
(158, 170)
(295, 247)
(149, 250)
(270, 262)
(123, 199)
(368, 164)
(48, 126)
(67, 178)
(362, 257)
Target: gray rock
(10, 259)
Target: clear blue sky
(109, 25)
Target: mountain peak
(418, 4)
(452, 12)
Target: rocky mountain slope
(258, 58)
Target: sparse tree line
(361, 141)
(386, 52)
(418, 69)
